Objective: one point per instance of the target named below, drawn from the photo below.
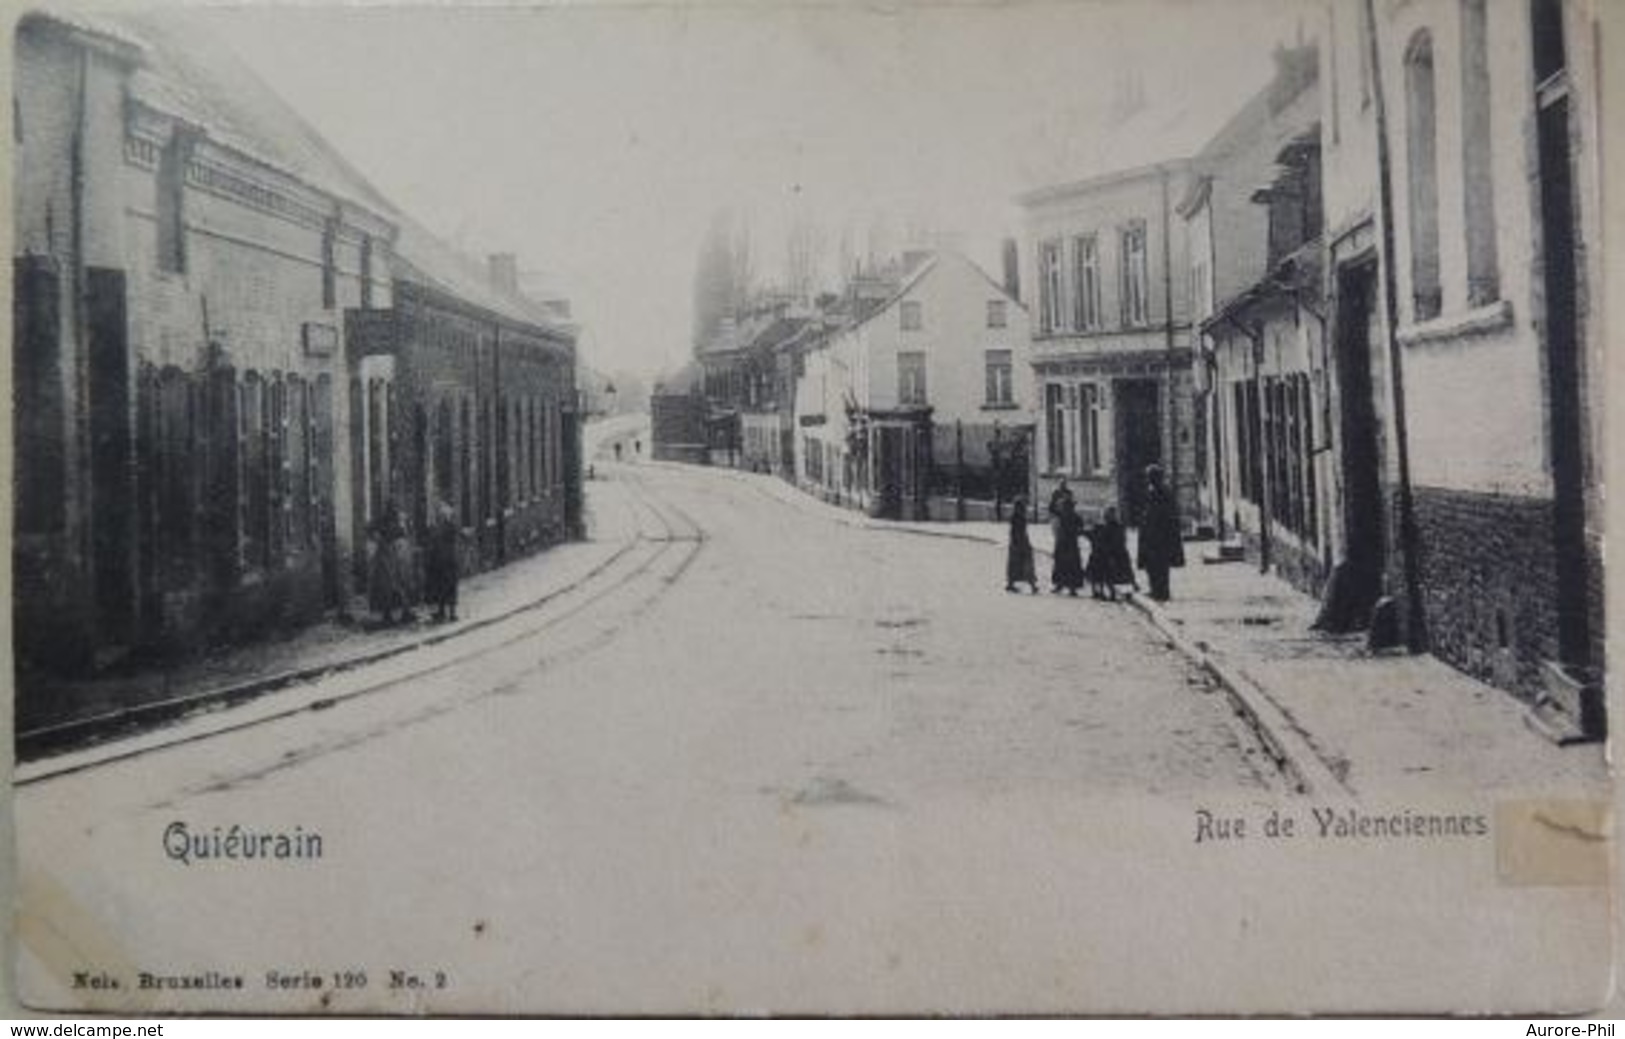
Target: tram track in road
(666, 542)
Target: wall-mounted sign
(320, 340)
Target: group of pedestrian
(391, 586)
(1160, 546)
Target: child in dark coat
(1108, 557)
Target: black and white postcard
(688, 508)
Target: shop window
(1089, 459)
(1055, 427)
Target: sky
(598, 141)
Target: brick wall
(677, 427)
(1488, 583)
(1293, 563)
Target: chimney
(1012, 270)
(504, 270)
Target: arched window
(1477, 157)
(1422, 176)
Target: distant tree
(804, 258)
(724, 274)
(631, 392)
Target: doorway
(1139, 441)
(1356, 581)
(1565, 401)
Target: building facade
(1460, 143)
(463, 396)
(947, 350)
(1253, 217)
(1112, 336)
(196, 461)
(181, 297)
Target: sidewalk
(1340, 719)
(1362, 721)
(118, 704)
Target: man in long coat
(440, 564)
(1160, 545)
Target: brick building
(185, 256)
(193, 266)
(1461, 185)
(677, 418)
(1253, 218)
(463, 393)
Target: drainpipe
(1168, 339)
(1266, 513)
(76, 303)
(1216, 459)
(1415, 621)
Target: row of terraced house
(1354, 321)
(231, 355)
(908, 394)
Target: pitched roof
(779, 332)
(1168, 134)
(423, 258)
(919, 274)
(185, 71)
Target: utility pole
(1168, 338)
(1415, 622)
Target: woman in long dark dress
(1018, 563)
(1068, 570)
